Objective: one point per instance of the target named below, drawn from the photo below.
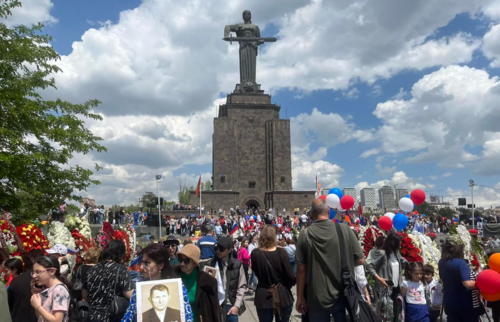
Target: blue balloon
(336, 191)
(423, 215)
(332, 214)
(408, 196)
(400, 221)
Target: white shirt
(161, 314)
(415, 292)
(436, 292)
(395, 269)
(303, 218)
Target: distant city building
(435, 199)
(400, 193)
(324, 192)
(351, 192)
(369, 198)
(90, 202)
(386, 196)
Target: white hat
(58, 249)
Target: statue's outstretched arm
(257, 34)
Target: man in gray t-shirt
(323, 292)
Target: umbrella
(192, 215)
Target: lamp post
(158, 177)
(471, 184)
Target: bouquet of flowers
(74, 222)
(8, 237)
(408, 250)
(428, 250)
(32, 237)
(82, 245)
(367, 238)
(59, 234)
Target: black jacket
(207, 298)
(233, 277)
(19, 296)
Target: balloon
(406, 204)
(407, 196)
(385, 223)
(423, 215)
(417, 196)
(332, 213)
(488, 281)
(390, 215)
(333, 201)
(400, 221)
(494, 262)
(346, 202)
(337, 192)
(491, 297)
(322, 197)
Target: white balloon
(333, 201)
(390, 215)
(406, 204)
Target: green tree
(183, 193)
(38, 137)
(149, 198)
(424, 208)
(208, 185)
(446, 212)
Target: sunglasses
(221, 248)
(184, 260)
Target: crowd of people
(257, 253)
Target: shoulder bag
(273, 289)
(119, 304)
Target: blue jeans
(232, 317)
(253, 281)
(337, 311)
(267, 315)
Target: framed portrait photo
(212, 271)
(160, 301)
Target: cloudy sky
(378, 92)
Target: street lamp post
(471, 184)
(158, 177)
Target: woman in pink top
(244, 256)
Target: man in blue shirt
(207, 244)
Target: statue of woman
(248, 49)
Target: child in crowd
(51, 304)
(413, 290)
(435, 292)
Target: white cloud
(433, 177)
(384, 171)
(328, 129)
(31, 12)
(304, 174)
(450, 110)
(483, 196)
(491, 45)
(447, 175)
(370, 152)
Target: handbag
(357, 309)
(273, 289)
(119, 304)
(78, 285)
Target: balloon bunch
(488, 281)
(336, 199)
(399, 221)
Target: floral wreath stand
(8, 227)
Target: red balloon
(417, 196)
(385, 223)
(491, 297)
(323, 197)
(488, 281)
(346, 202)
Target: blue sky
(378, 93)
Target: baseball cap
(58, 249)
(225, 242)
(171, 240)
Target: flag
(72, 251)
(360, 209)
(198, 187)
(318, 186)
(234, 229)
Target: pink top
(244, 256)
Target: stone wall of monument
(291, 199)
(278, 151)
(213, 200)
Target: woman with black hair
(106, 280)
(457, 282)
(13, 268)
(155, 265)
(52, 304)
(386, 268)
